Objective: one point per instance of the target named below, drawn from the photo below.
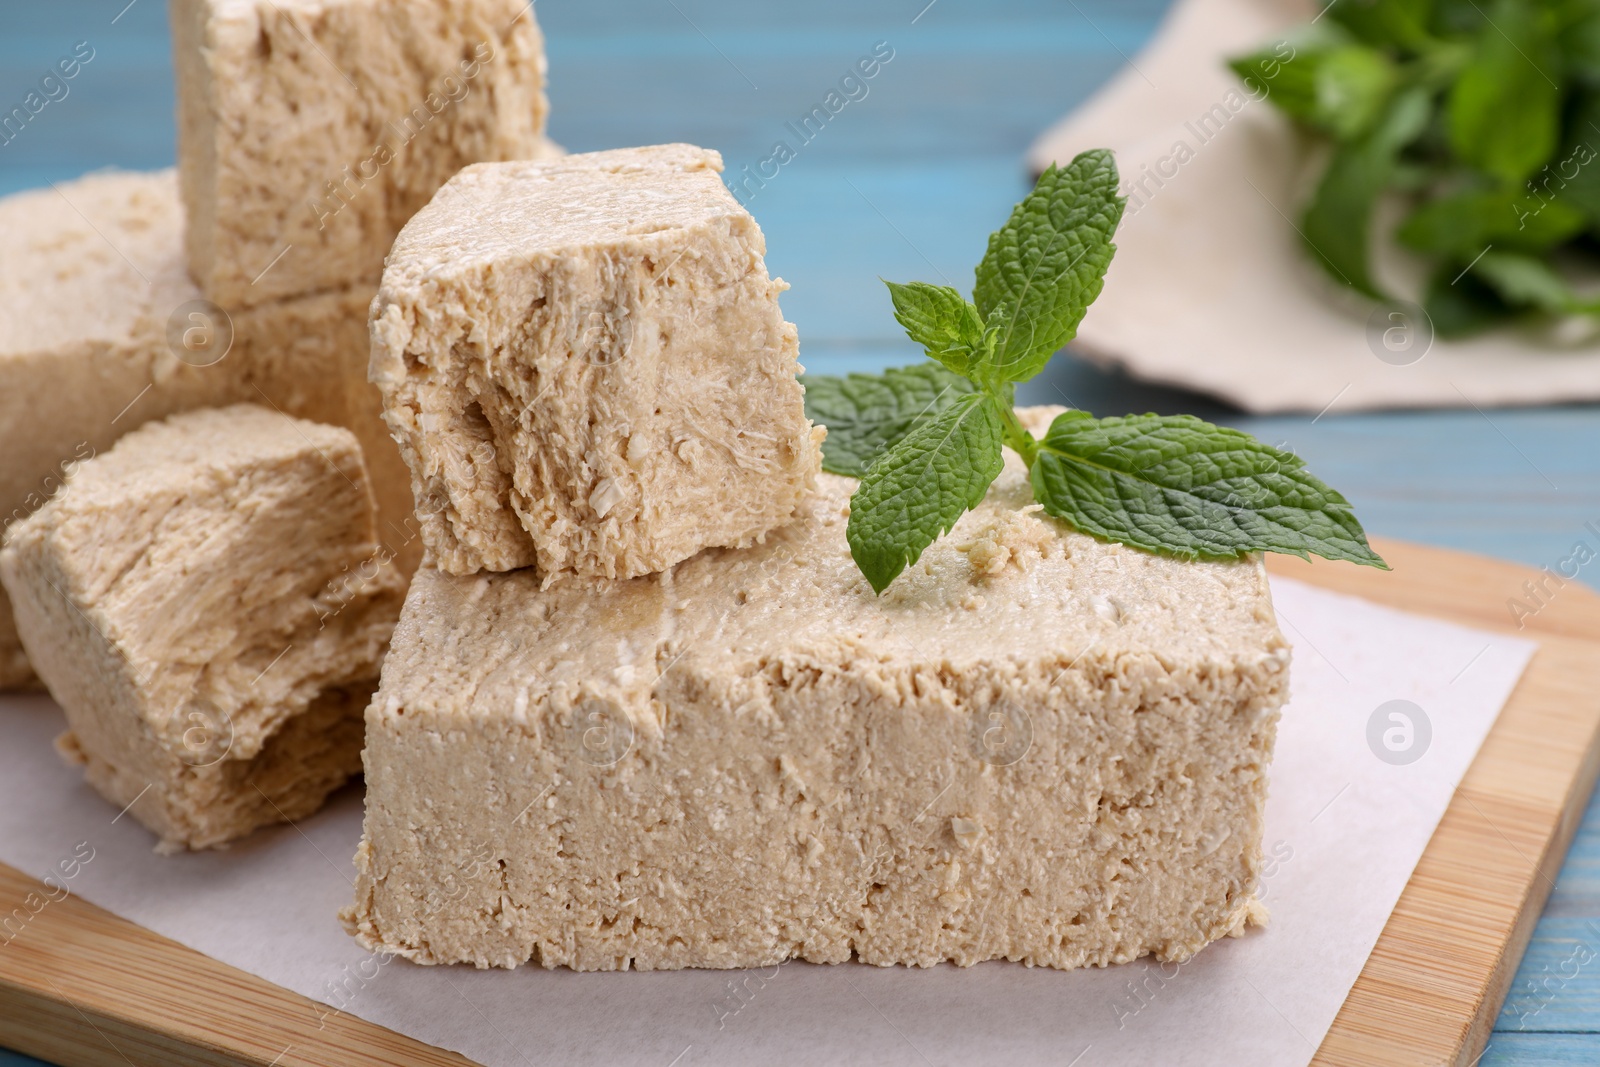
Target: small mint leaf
(867, 413)
(1046, 265)
(1181, 486)
(1285, 74)
(1461, 304)
(917, 490)
(1353, 85)
(1463, 223)
(1338, 218)
(939, 319)
(1526, 281)
(1387, 22)
(1504, 111)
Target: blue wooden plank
(833, 232)
(1543, 1050)
(682, 44)
(591, 108)
(621, 19)
(635, 73)
(117, 110)
(1557, 988)
(17, 1059)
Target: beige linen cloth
(1212, 289)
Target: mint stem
(1018, 439)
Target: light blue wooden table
(906, 183)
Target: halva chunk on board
(206, 602)
(1034, 746)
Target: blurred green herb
(926, 440)
(1483, 114)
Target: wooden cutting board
(87, 989)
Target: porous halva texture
(309, 131)
(101, 330)
(585, 366)
(1034, 746)
(206, 604)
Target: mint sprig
(926, 441)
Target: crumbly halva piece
(586, 368)
(206, 603)
(101, 330)
(1033, 746)
(309, 131)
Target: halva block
(206, 604)
(585, 367)
(101, 330)
(309, 131)
(1034, 746)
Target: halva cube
(584, 364)
(101, 330)
(309, 131)
(206, 604)
(1034, 746)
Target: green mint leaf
(939, 319)
(1046, 265)
(1464, 223)
(1338, 221)
(1523, 281)
(1353, 83)
(1323, 80)
(1573, 174)
(867, 413)
(1505, 108)
(1580, 40)
(917, 490)
(1286, 74)
(1460, 17)
(1459, 304)
(1385, 22)
(1181, 486)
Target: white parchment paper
(1353, 803)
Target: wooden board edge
(54, 1029)
(1520, 600)
(1549, 733)
(65, 982)
(1434, 983)
(1548, 870)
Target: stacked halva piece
(152, 574)
(309, 131)
(584, 364)
(642, 710)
